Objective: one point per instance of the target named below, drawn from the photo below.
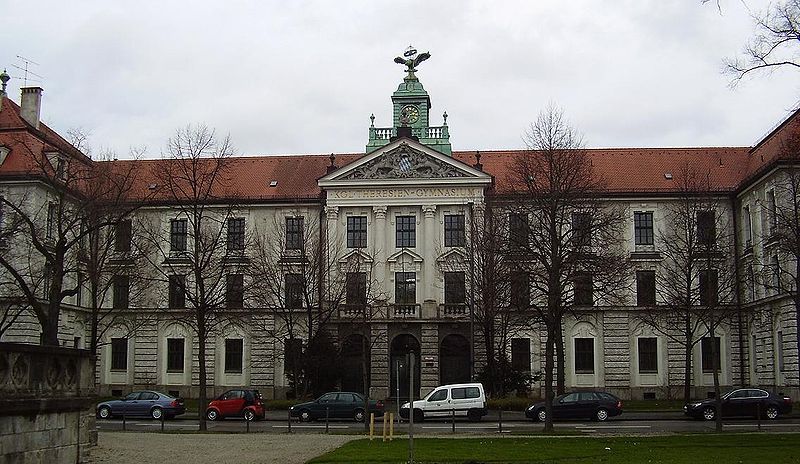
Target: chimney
(31, 105)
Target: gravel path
(254, 448)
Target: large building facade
(390, 229)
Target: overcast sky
(304, 76)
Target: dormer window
(4, 151)
(59, 163)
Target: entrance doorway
(399, 366)
(454, 359)
(351, 357)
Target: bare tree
(190, 256)
(776, 43)
(565, 235)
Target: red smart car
(237, 403)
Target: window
(406, 231)
(454, 233)
(643, 228)
(776, 274)
(706, 228)
(584, 355)
(772, 212)
(175, 354)
(462, 393)
(521, 354)
(234, 291)
(294, 291)
(648, 355)
(454, 288)
(520, 290)
(708, 361)
(582, 230)
(405, 288)
(645, 288)
(177, 291)
(79, 288)
(292, 351)
(177, 234)
(235, 234)
(709, 290)
(357, 232)
(294, 233)
(52, 214)
(121, 285)
(584, 292)
(356, 288)
(438, 395)
(234, 349)
(119, 354)
(748, 227)
(122, 236)
(518, 231)
(779, 352)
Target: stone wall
(46, 404)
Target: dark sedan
(593, 405)
(742, 402)
(337, 405)
(142, 404)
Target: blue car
(142, 404)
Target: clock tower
(411, 106)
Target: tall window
(643, 228)
(294, 291)
(52, 215)
(709, 288)
(776, 274)
(405, 288)
(521, 354)
(122, 236)
(356, 232)
(235, 240)
(748, 226)
(518, 230)
(583, 291)
(772, 212)
(584, 355)
(177, 234)
(406, 236)
(645, 288)
(294, 233)
(177, 291)
(520, 290)
(234, 351)
(648, 355)
(706, 228)
(356, 288)
(582, 230)
(119, 354)
(454, 288)
(708, 361)
(175, 354)
(779, 353)
(234, 291)
(79, 288)
(121, 284)
(454, 232)
(292, 352)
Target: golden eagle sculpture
(411, 59)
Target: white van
(465, 399)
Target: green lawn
(689, 449)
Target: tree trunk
(365, 377)
(715, 367)
(548, 379)
(687, 360)
(560, 359)
(201, 358)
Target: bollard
(391, 426)
(123, 421)
(385, 425)
(248, 425)
(162, 421)
(500, 422)
(758, 414)
(289, 421)
(371, 425)
(454, 420)
(327, 414)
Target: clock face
(409, 114)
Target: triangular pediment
(356, 255)
(405, 255)
(402, 161)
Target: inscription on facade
(417, 192)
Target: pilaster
(428, 249)
(379, 362)
(381, 243)
(429, 357)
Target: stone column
(381, 245)
(429, 357)
(428, 251)
(332, 214)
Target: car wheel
(104, 412)
(541, 415)
(212, 414)
(473, 415)
(771, 413)
(249, 415)
(359, 415)
(419, 416)
(156, 413)
(709, 414)
(601, 415)
(305, 416)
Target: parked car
(742, 402)
(238, 402)
(143, 404)
(595, 405)
(337, 405)
(465, 399)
